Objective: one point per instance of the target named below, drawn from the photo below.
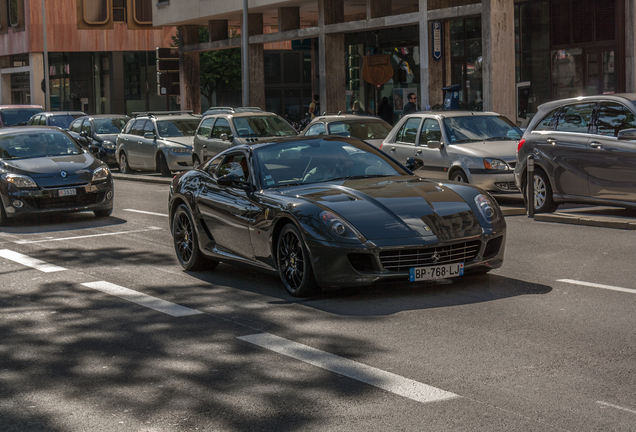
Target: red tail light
(522, 141)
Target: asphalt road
(101, 330)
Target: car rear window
(548, 122)
(575, 118)
(18, 116)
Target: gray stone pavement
(512, 205)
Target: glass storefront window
(466, 61)
(568, 79)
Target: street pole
(47, 99)
(530, 186)
(245, 48)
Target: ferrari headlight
(487, 208)
(338, 226)
(20, 181)
(495, 164)
(100, 174)
(181, 150)
(108, 145)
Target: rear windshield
(63, 121)
(109, 126)
(371, 129)
(18, 116)
(26, 145)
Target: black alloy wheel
(124, 168)
(294, 267)
(186, 244)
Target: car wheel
(103, 213)
(543, 202)
(186, 244)
(293, 263)
(196, 162)
(163, 166)
(124, 168)
(459, 176)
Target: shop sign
(437, 40)
(377, 69)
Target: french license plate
(436, 272)
(67, 192)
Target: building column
(498, 48)
(189, 70)
(424, 54)
(630, 46)
(117, 84)
(257, 62)
(288, 18)
(36, 76)
(331, 58)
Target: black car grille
(52, 203)
(402, 260)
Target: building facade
(101, 55)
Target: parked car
(470, 147)
(99, 130)
(226, 109)
(44, 170)
(584, 152)
(372, 130)
(330, 212)
(159, 142)
(15, 115)
(218, 132)
(61, 119)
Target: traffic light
(167, 71)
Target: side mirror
(434, 144)
(83, 134)
(627, 134)
(232, 180)
(224, 137)
(149, 135)
(414, 163)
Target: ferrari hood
(396, 207)
(55, 171)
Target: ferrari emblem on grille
(63, 174)
(435, 258)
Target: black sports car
(331, 212)
(44, 170)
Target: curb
(602, 222)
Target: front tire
(163, 166)
(294, 266)
(186, 244)
(124, 168)
(459, 176)
(542, 201)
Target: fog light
(109, 195)
(17, 204)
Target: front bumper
(178, 161)
(339, 266)
(494, 182)
(108, 156)
(89, 197)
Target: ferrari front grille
(402, 260)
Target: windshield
(480, 128)
(63, 121)
(371, 129)
(315, 161)
(262, 126)
(109, 126)
(18, 116)
(177, 128)
(34, 145)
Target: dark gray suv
(584, 150)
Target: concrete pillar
(498, 42)
(257, 62)
(288, 18)
(424, 54)
(630, 46)
(189, 70)
(218, 30)
(379, 8)
(331, 58)
(117, 98)
(36, 75)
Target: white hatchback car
(465, 146)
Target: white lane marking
(85, 236)
(595, 285)
(142, 299)
(376, 377)
(616, 406)
(146, 212)
(30, 262)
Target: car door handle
(419, 151)
(551, 141)
(596, 145)
(392, 149)
(139, 142)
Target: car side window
(86, 127)
(575, 118)
(204, 127)
(222, 126)
(613, 118)
(408, 132)
(148, 127)
(76, 125)
(430, 131)
(138, 127)
(548, 121)
(214, 165)
(317, 129)
(235, 163)
(128, 127)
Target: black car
(43, 170)
(99, 130)
(584, 152)
(330, 212)
(61, 119)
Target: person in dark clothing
(411, 106)
(385, 111)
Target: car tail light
(381, 146)
(522, 141)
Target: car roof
(19, 106)
(242, 114)
(92, 116)
(59, 113)
(453, 113)
(166, 114)
(346, 117)
(629, 97)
